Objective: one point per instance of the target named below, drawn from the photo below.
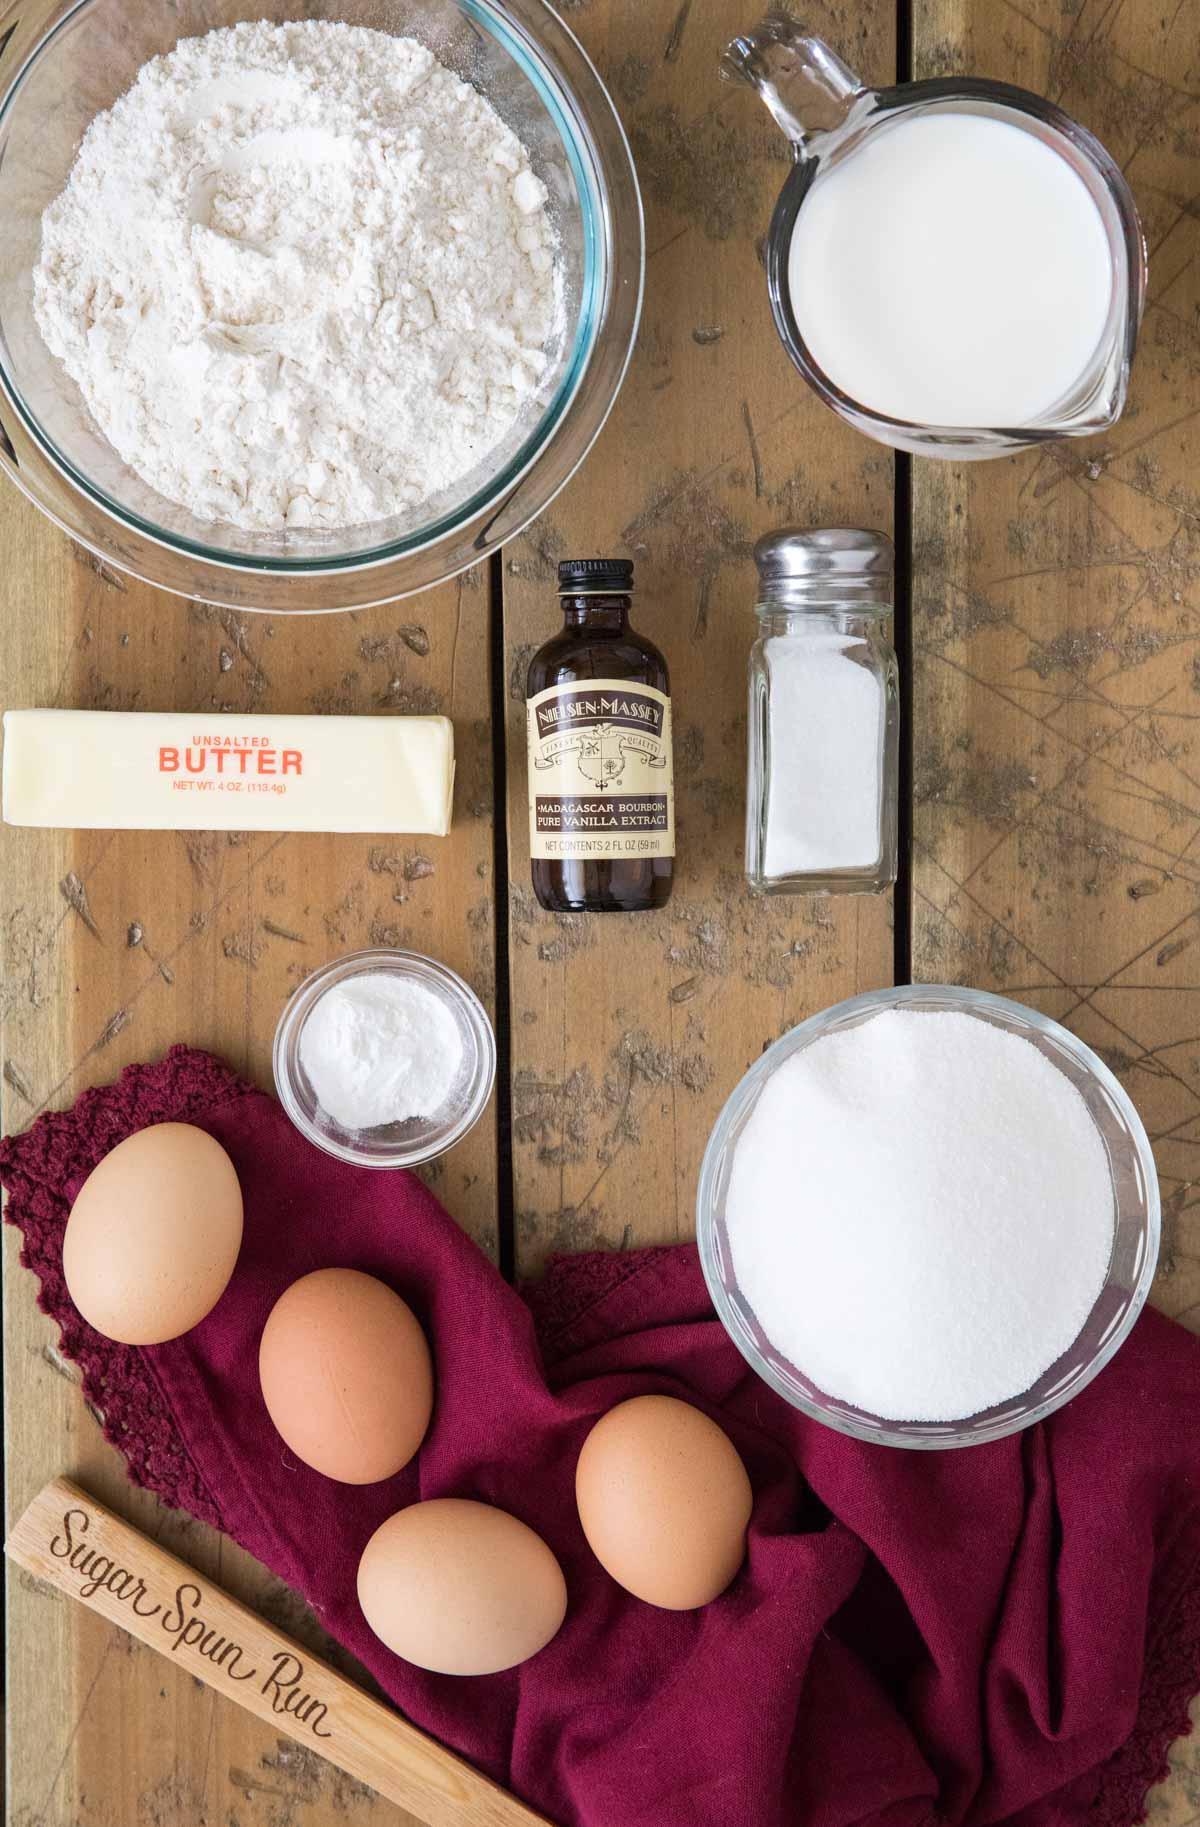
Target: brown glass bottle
(601, 790)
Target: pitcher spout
(805, 85)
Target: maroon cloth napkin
(1007, 1633)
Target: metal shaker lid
(832, 553)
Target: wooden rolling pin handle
(82, 1549)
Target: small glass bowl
(1135, 1234)
(418, 1139)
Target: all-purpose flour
(920, 1214)
(302, 274)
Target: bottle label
(601, 780)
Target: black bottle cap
(599, 574)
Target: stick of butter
(171, 771)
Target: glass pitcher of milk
(956, 266)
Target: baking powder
(303, 276)
(380, 1048)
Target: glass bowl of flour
(307, 306)
(928, 1216)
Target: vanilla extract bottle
(601, 776)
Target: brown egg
(154, 1234)
(664, 1501)
(346, 1375)
(460, 1588)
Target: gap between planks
(506, 1226)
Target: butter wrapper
(174, 771)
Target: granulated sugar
(920, 1214)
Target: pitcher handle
(806, 86)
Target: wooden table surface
(1052, 656)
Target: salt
(381, 1048)
(821, 800)
(920, 1214)
(825, 730)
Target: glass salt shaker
(824, 715)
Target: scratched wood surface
(117, 945)
(629, 1032)
(1057, 638)
(1056, 803)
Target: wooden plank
(1056, 621)
(113, 947)
(629, 1031)
(64, 1536)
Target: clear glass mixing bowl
(1135, 1236)
(63, 63)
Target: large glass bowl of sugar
(885, 1289)
(63, 62)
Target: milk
(952, 271)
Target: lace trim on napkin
(1169, 1684)
(572, 1285)
(60, 1150)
